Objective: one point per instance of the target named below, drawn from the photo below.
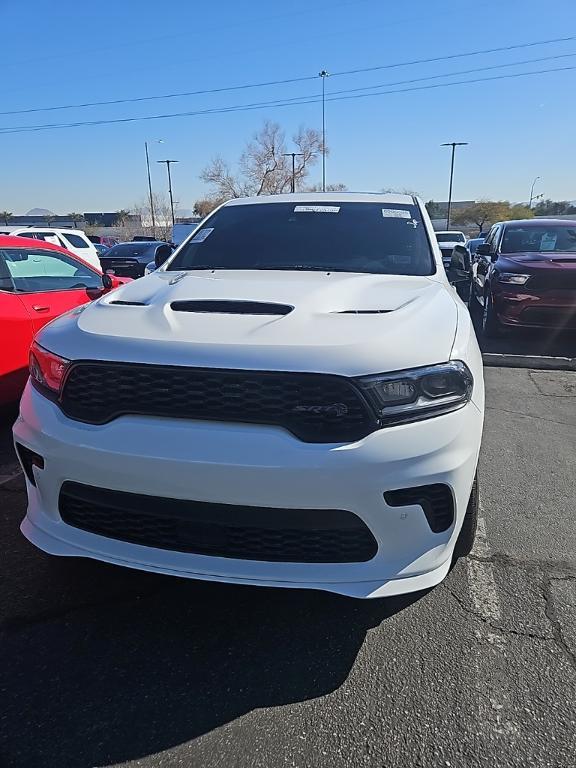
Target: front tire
(467, 534)
(491, 326)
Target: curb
(537, 362)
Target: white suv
(74, 240)
(295, 398)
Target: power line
(456, 56)
(278, 103)
(245, 86)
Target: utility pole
(532, 192)
(293, 155)
(168, 163)
(452, 144)
(323, 74)
(150, 191)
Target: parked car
(101, 249)
(473, 244)
(295, 399)
(450, 236)
(524, 275)
(72, 240)
(106, 240)
(38, 282)
(130, 259)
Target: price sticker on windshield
(395, 213)
(317, 209)
(199, 237)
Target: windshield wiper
(297, 267)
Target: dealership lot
(115, 667)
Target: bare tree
(206, 205)
(339, 187)
(162, 216)
(263, 168)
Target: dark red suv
(525, 275)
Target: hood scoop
(128, 303)
(231, 307)
(364, 311)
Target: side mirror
(483, 250)
(162, 254)
(150, 267)
(460, 259)
(107, 282)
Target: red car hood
(553, 260)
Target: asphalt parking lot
(103, 666)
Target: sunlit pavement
(103, 666)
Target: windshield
(343, 237)
(553, 238)
(450, 237)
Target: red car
(524, 275)
(38, 282)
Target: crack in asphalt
(496, 627)
(560, 568)
(529, 416)
(555, 625)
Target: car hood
(349, 324)
(543, 260)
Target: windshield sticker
(200, 236)
(548, 242)
(395, 213)
(317, 209)
(413, 223)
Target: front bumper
(258, 466)
(530, 309)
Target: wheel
(465, 540)
(491, 326)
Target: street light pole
(168, 163)
(293, 155)
(532, 191)
(452, 144)
(323, 74)
(150, 191)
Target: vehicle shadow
(527, 341)
(130, 664)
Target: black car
(130, 259)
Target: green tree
(434, 210)
(554, 208)
(5, 216)
(122, 216)
(76, 217)
(488, 212)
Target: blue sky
(65, 53)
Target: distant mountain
(39, 212)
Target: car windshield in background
(535, 239)
(450, 237)
(128, 250)
(336, 237)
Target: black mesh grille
(316, 408)
(219, 530)
(436, 501)
(560, 280)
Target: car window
(518, 239)
(450, 237)
(344, 237)
(76, 241)
(31, 270)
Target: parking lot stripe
(7, 478)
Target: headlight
(418, 393)
(513, 278)
(47, 370)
